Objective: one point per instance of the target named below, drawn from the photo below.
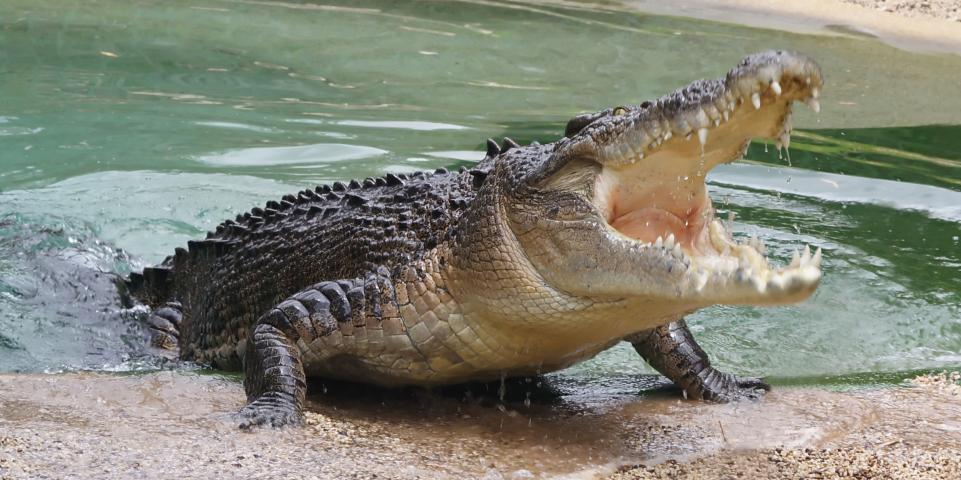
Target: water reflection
(403, 125)
(934, 201)
(299, 155)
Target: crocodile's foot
(164, 326)
(717, 386)
(270, 410)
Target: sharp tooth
(814, 104)
(702, 136)
(816, 260)
(702, 117)
(678, 253)
(756, 100)
(726, 115)
(809, 275)
(795, 259)
(806, 256)
(668, 135)
(776, 87)
(815, 92)
(807, 81)
(701, 281)
(717, 237)
(659, 242)
(669, 243)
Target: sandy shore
(916, 25)
(891, 446)
(155, 425)
(940, 9)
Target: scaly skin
(538, 258)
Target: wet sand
(941, 9)
(905, 24)
(157, 425)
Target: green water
(140, 125)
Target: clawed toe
(263, 414)
(724, 387)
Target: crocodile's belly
(424, 336)
(424, 348)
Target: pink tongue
(647, 224)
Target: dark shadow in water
(544, 395)
(929, 154)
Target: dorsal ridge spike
(508, 144)
(492, 149)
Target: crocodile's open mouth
(651, 188)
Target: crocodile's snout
(648, 164)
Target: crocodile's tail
(164, 325)
(154, 287)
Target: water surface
(128, 128)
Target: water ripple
(299, 155)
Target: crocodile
(538, 257)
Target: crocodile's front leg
(273, 371)
(671, 350)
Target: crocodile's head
(619, 209)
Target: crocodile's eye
(618, 111)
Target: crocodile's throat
(664, 194)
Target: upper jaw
(654, 161)
(694, 111)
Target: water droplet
(502, 391)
